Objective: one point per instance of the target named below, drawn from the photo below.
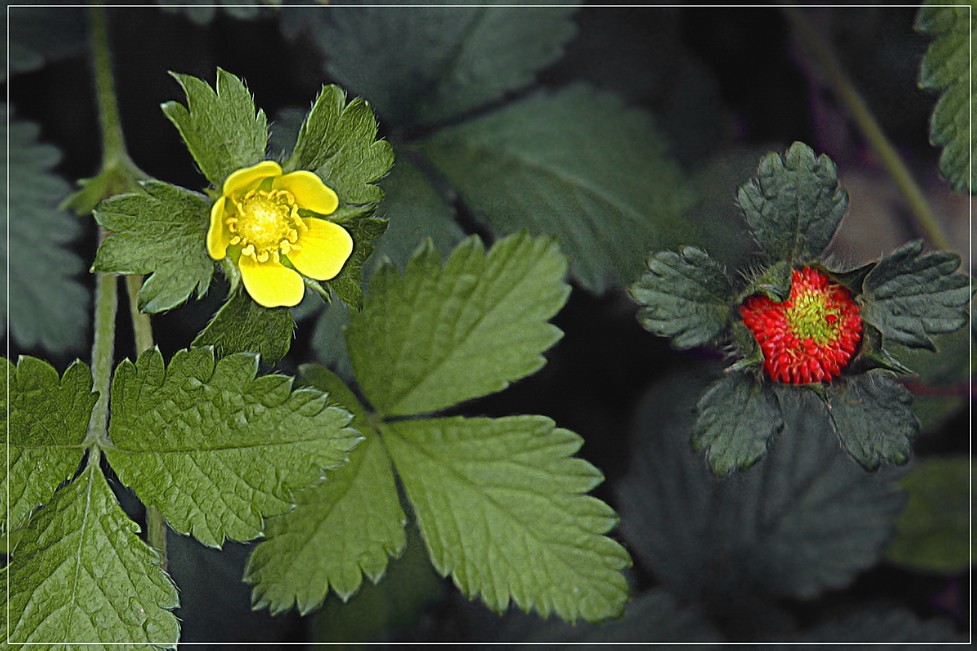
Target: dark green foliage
(47, 306)
(873, 416)
(802, 521)
(738, 416)
(684, 295)
(794, 205)
(438, 62)
(243, 326)
(910, 295)
(577, 165)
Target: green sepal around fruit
(685, 295)
(794, 204)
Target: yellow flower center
(266, 224)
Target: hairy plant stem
(821, 50)
(115, 157)
(143, 330)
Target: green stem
(103, 350)
(143, 330)
(141, 326)
(113, 141)
(821, 50)
(115, 158)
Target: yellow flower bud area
(257, 216)
(266, 224)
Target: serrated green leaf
(933, 532)
(577, 165)
(216, 449)
(342, 529)
(221, 128)
(48, 419)
(436, 336)
(500, 504)
(911, 295)
(803, 520)
(40, 34)
(873, 416)
(684, 295)
(161, 232)
(738, 417)
(243, 326)
(82, 575)
(338, 142)
(416, 211)
(421, 65)
(364, 231)
(47, 307)
(946, 67)
(794, 204)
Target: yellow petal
(323, 249)
(270, 284)
(309, 191)
(218, 236)
(249, 177)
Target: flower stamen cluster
(812, 335)
(266, 224)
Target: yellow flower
(257, 219)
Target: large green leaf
(216, 449)
(338, 142)
(46, 418)
(738, 417)
(947, 68)
(794, 204)
(910, 295)
(684, 295)
(81, 575)
(342, 529)
(436, 336)
(47, 307)
(873, 416)
(578, 165)
(933, 533)
(421, 65)
(161, 231)
(501, 506)
(220, 127)
(803, 520)
(243, 326)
